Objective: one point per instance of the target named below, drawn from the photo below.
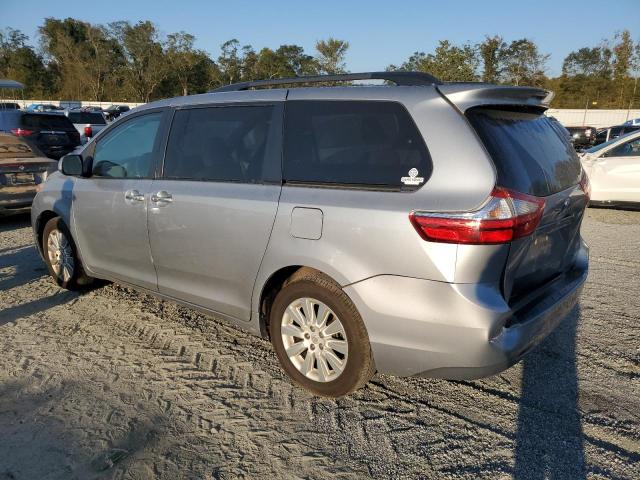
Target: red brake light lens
(505, 216)
(21, 132)
(88, 131)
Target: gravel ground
(116, 384)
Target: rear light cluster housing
(505, 216)
(88, 131)
(21, 132)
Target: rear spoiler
(468, 95)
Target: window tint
(227, 143)
(40, 121)
(127, 151)
(87, 117)
(627, 149)
(354, 143)
(529, 154)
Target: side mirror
(71, 165)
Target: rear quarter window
(354, 143)
(39, 121)
(529, 153)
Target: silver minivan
(417, 229)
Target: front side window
(127, 151)
(627, 149)
(354, 143)
(223, 143)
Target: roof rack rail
(400, 78)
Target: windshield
(600, 146)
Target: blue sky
(380, 32)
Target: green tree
(189, 67)
(524, 64)
(449, 63)
(331, 55)
(20, 62)
(146, 65)
(492, 52)
(84, 54)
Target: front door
(211, 213)
(110, 207)
(615, 175)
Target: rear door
(212, 212)
(110, 207)
(531, 157)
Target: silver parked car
(426, 228)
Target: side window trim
(160, 140)
(276, 167)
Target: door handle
(134, 196)
(161, 198)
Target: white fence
(593, 118)
(568, 117)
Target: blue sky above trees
(379, 32)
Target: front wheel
(61, 256)
(319, 336)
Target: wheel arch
(270, 289)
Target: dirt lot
(116, 384)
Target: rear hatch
(54, 133)
(531, 157)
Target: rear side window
(225, 143)
(354, 143)
(87, 117)
(41, 121)
(529, 154)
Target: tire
(319, 361)
(73, 277)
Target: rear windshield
(529, 154)
(87, 117)
(40, 121)
(354, 143)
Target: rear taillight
(88, 131)
(505, 216)
(585, 186)
(21, 132)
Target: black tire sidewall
(359, 348)
(53, 224)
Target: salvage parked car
(87, 122)
(583, 136)
(358, 228)
(614, 171)
(52, 133)
(611, 133)
(9, 106)
(114, 111)
(22, 169)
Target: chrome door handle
(161, 198)
(134, 196)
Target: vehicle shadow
(549, 438)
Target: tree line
(135, 62)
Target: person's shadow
(549, 440)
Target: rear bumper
(16, 199)
(458, 331)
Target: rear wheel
(319, 336)
(61, 256)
